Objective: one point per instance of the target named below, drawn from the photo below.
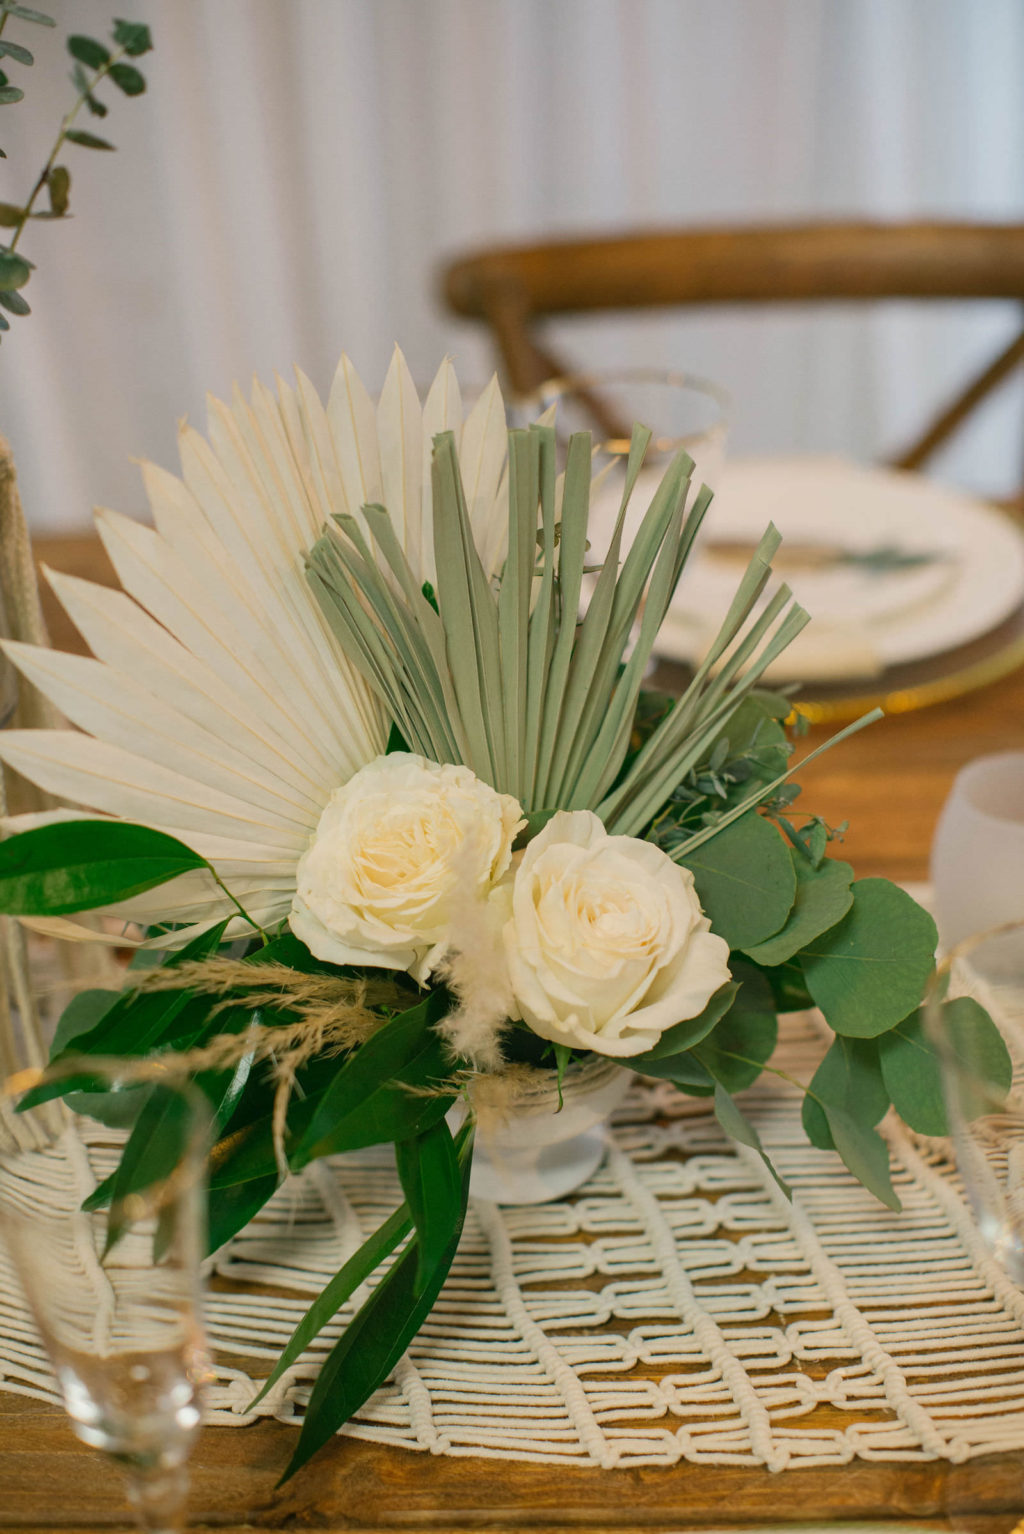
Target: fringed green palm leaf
(508, 680)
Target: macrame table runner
(676, 1308)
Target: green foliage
(869, 971)
(849, 1079)
(129, 40)
(341, 1288)
(912, 1072)
(738, 1127)
(77, 865)
(823, 897)
(133, 36)
(86, 140)
(745, 880)
(15, 271)
(380, 1332)
(88, 51)
(536, 702)
(392, 1088)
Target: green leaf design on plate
(869, 971)
(745, 880)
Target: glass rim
(561, 385)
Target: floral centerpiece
(365, 754)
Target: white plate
(862, 621)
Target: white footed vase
(529, 1150)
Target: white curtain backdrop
(299, 168)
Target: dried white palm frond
(218, 705)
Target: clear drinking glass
(983, 1079)
(109, 1261)
(681, 410)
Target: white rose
(607, 945)
(397, 851)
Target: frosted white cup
(978, 851)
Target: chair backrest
(512, 288)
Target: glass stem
(158, 1497)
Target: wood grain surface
(890, 783)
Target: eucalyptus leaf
(869, 971)
(14, 269)
(823, 897)
(849, 1078)
(14, 302)
(128, 79)
(682, 1036)
(26, 13)
(88, 51)
(87, 140)
(58, 185)
(981, 1070)
(745, 881)
(738, 1127)
(737, 1048)
(9, 94)
(76, 865)
(14, 51)
(133, 36)
(865, 1154)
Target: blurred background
(300, 169)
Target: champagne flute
(983, 1079)
(108, 1252)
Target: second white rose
(607, 945)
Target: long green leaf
(369, 1100)
(429, 1172)
(470, 616)
(514, 597)
(378, 1335)
(76, 865)
(340, 1288)
(542, 619)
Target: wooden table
(889, 782)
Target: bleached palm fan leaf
(218, 705)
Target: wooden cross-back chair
(514, 289)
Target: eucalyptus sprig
(94, 63)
